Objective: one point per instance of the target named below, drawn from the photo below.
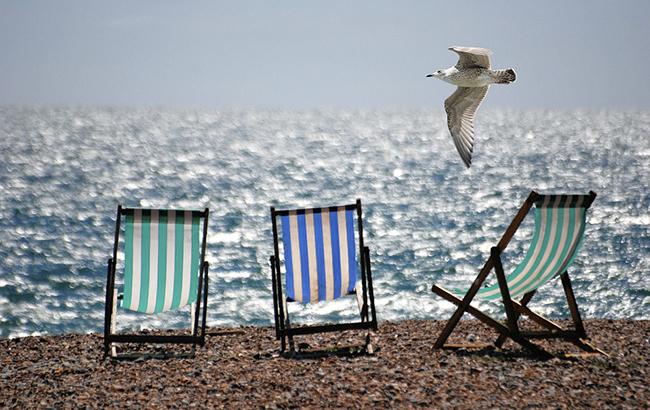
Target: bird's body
(473, 76)
(468, 77)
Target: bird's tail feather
(506, 76)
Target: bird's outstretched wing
(471, 57)
(460, 108)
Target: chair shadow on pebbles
(304, 350)
(140, 353)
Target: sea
(427, 218)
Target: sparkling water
(427, 219)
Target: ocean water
(427, 219)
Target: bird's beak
(429, 75)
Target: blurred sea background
(427, 219)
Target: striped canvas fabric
(161, 260)
(559, 228)
(319, 254)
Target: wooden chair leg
(362, 307)
(370, 309)
(114, 323)
(283, 323)
(287, 327)
(452, 322)
(535, 317)
(573, 305)
(511, 314)
(108, 308)
(505, 292)
(544, 322)
(575, 314)
(524, 301)
(363, 313)
(369, 348)
(462, 307)
(495, 324)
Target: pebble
(245, 370)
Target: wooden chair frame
(195, 338)
(515, 309)
(283, 328)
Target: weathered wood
(492, 323)
(514, 225)
(514, 309)
(524, 301)
(444, 293)
(573, 305)
(542, 321)
(505, 292)
(462, 307)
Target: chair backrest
(558, 234)
(162, 258)
(319, 252)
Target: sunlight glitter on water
(63, 171)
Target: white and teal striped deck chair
(557, 237)
(320, 264)
(164, 270)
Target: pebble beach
(167, 166)
(242, 368)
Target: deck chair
(164, 270)
(320, 264)
(557, 237)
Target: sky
(319, 54)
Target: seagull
(473, 76)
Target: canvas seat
(559, 230)
(164, 270)
(320, 264)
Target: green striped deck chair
(320, 264)
(559, 229)
(164, 270)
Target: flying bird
(473, 76)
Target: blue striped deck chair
(164, 270)
(320, 264)
(558, 234)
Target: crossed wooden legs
(514, 310)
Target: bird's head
(437, 74)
